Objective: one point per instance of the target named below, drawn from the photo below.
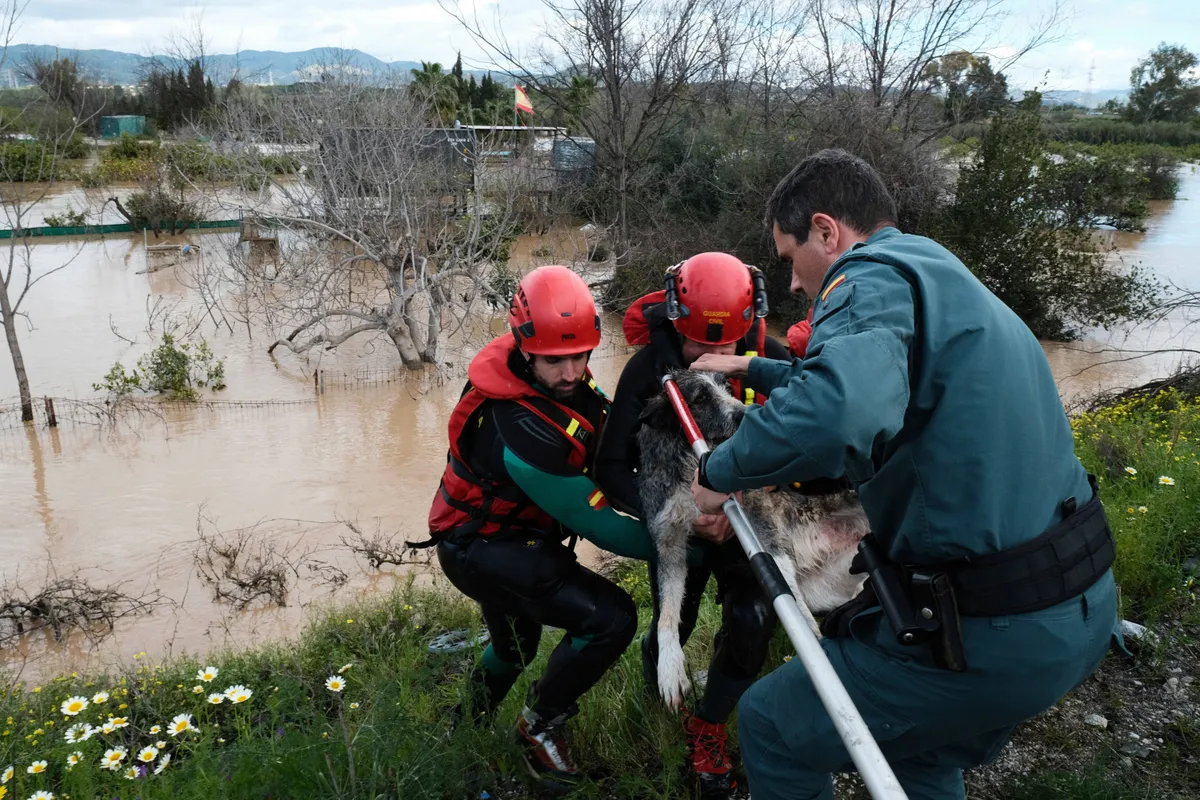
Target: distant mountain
(253, 66)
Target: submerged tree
(382, 232)
(36, 165)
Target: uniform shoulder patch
(838, 281)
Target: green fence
(100, 230)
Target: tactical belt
(924, 604)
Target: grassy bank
(384, 731)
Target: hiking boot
(545, 751)
(708, 760)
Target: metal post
(868, 758)
(50, 415)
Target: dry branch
(63, 604)
(381, 548)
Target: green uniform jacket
(929, 394)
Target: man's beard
(565, 391)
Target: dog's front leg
(672, 527)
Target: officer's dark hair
(831, 182)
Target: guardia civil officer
(938, 404)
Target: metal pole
(868, 758)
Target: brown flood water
(123, 504)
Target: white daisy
(238, 694)
(208, 674)
(113, 757)
(148, 754)
(73, 705)
(216, 699)
(162, 763)
(100, 697)
(334, 684)
(181, 723)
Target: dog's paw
(673, 683)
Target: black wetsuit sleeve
(617, 457)
(532, 439)
(773, 348)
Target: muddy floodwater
(288, 464)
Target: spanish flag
(522, 100)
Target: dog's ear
(658, 413)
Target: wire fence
(65, 412)
(56, 412)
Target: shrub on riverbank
(1022, 222)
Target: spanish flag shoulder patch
(838, 281)
(597, 500)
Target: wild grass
(1145, 451)
(386, 734)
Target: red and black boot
(708, 759)
(544, 747)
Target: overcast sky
(1107, 34)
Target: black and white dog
(812, 539)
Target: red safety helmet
(715, 293)
(553, 313)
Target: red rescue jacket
(467, 503)
(637, 332)
(799, 334)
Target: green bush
(29, 161)
(70, 218)
(1021, 221)
(1113, 131)
(1157, 166)
(178, 370)
(159, 209)
(281, 164)
(129, 148)
(124, 170)
(76, 147)
(196, 162)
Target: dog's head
(715, 410)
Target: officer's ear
(658, 413)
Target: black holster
(924, 604)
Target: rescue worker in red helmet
(516, 485)
(716, 296)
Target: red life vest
(467, 503)
(637, 332)
(799, 334)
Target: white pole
(864, 750)
(868, 758)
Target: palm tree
(579, 97)
(438, 89)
